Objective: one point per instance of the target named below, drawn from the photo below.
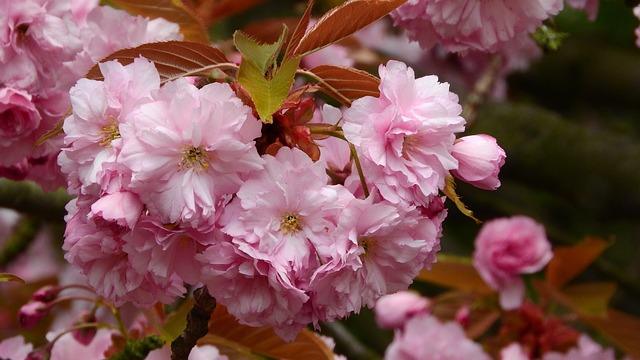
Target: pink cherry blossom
(479, 160)
(394, 310)
(19, 120)
(588, 6)
(425, 337)
(405, 137)
(636, 12)
(95, 246)
(92, 133)
(189, 151)
(67, 347)
(463, 25)
(505, 248)
(379, 249)
(15, 348)
(587, 349)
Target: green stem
(23, 235)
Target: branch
(27, 197)
(197, 324)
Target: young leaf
(450, 191)
(300, 30)
(622, 329)
(173, 59)
(591, 298)
(569, 261)
(345, 84)
(191, 26)
(261, 55)
(232, 338)
(10, 277)
(455, 272)
(267, 94)
(343, 21)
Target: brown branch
(197, 324)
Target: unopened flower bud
(479, 160)
(31, 312)
(46, 293)
(463, 316)
(393, 311)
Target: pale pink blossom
(280, 227)
(425, 337)
(506, 248)
(479, 160)
(122, 207)
(15, 348)
(379, 249)
(587, 349)
(96, 247)
(189, 151)
(337, 55)
(463, 25)
(394, 310)
(67, 347)
(588, 6)
(405, 137)
(636, 12)
(513, 352)
(92, 132)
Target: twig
(197, 324)
(353, 349)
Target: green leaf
(450, 192)
(268, 94)
(138, 349)
(175, 322)
(10, 277)
(591, 298)
(261, 55)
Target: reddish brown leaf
(213, 10)
(172, 59)
(457, 273)
(343, 21)
(446, 306)
(300, 30)
(570, 261)
(235, 339)
(345, 84)
(622, 329)
(191, 26)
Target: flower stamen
(194, 157)
(109, 133)
(290, 223)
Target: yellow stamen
(109, 133)
(194, 157)
(290, 223)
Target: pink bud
(479, 160)
(31, 312)
(393, 311)
(463, 316)
(85, 335)
(46, 293)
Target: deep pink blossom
(505, 248)
(19, 122)
(462, 25)
(425, 337)
(394, 310)
(479, 160)
(189, 151)
(405, 137)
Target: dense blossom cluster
(463, 25)
(46, 47)
(171, 190)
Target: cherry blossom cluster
(172, 190)
(421, 335)
(45, 47)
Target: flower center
(194, 157)
(21, 31)
(368, 244)
(409, 145)
(290, 223)
(109, 133)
